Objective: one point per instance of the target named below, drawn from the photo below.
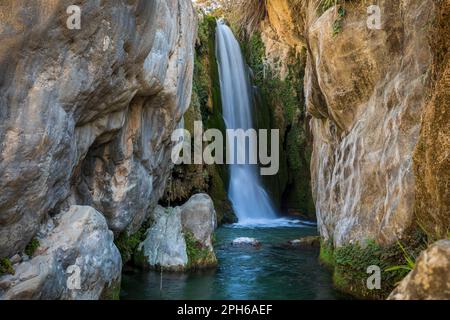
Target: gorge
(87, 185)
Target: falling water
(250, 201)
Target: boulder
(430, 279)
(77, 260)
(180, 238)
(164, 245)
(199, 218)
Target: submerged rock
(304, 243)
(76, 260)
(430, 279)
(246, 242)
(180, 238)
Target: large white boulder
(77, 260)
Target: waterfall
(250, 201)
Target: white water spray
(250, 201)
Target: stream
(268, 272)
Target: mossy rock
(199, 256)
(349, 265)
(128, 243)
(31, 247)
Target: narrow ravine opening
(258, 256)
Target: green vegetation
(128, 244)
(6, 267)
(337, 24)
(324, 5)
(32, 246)
(349, 264)
(326, 254)
(198, 255)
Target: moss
(32, 246)
(217, 191)
(198, 256)
(128, 244)
(6, 267)
(279, 104)
(326, 254)
(349, 265)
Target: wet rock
(304, 243)
(246, 242)
(77, 260)
(430, 279)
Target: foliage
(410, 256)
(32, 246)
(350, 262)
(337, 24)
(6, 267)
(410, 261)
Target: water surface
(270, 272)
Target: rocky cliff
(86, 114)
(378, 97)
(367, 91)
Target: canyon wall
(86, 115)
(367, 91)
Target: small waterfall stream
(246, 192)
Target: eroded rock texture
(430, 279)
(75, 260)
(367, 90)
(86, 115)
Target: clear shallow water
(270, 272)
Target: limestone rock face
(199, 218)
(164, 245)
(367, 91)
(181, 237)
(75, 260)
(430, 279)
(86, 115)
